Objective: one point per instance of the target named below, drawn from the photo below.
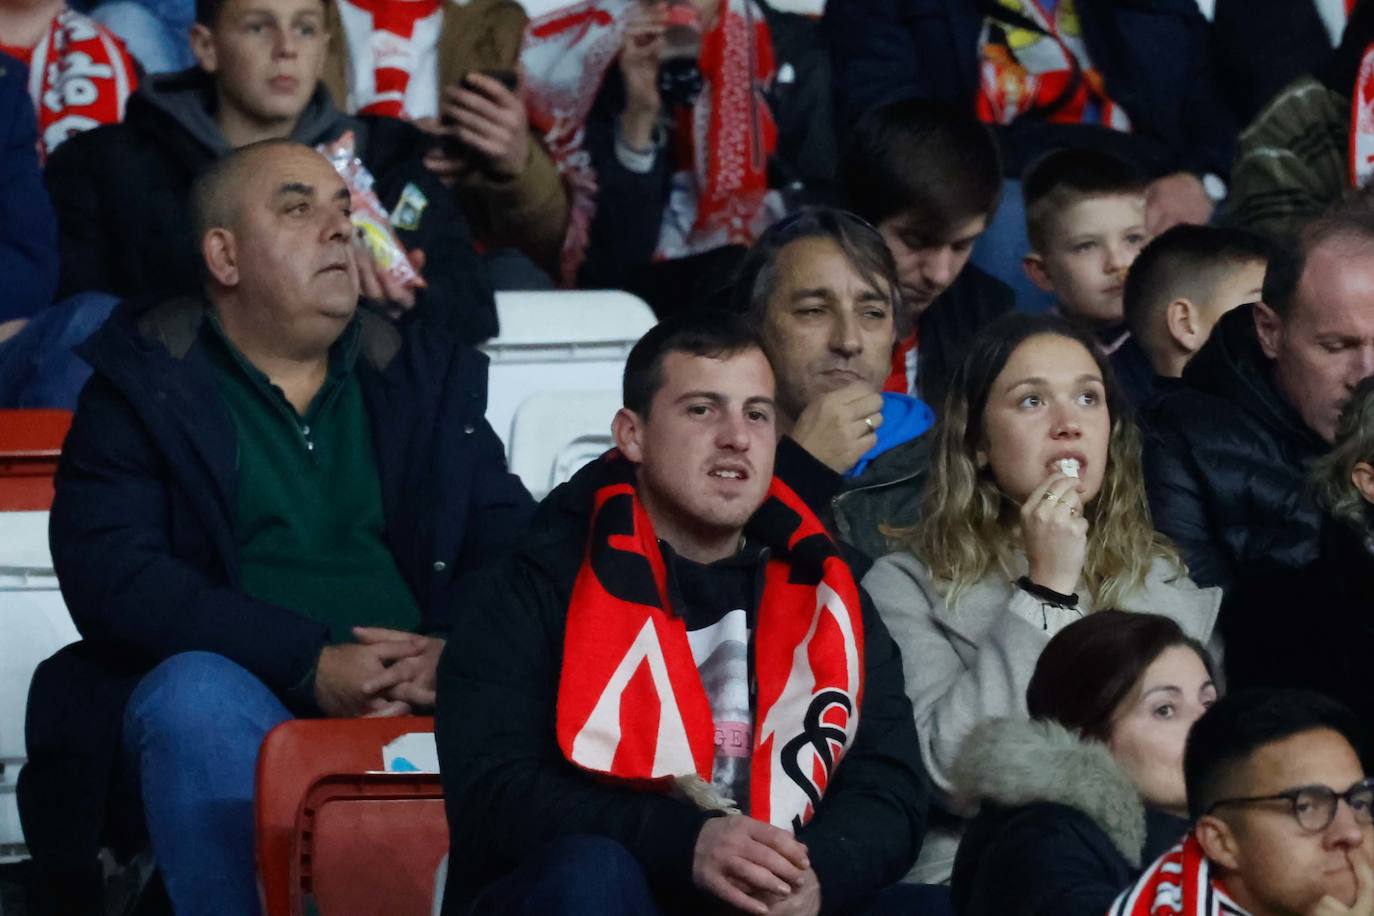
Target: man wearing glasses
(1282, 812)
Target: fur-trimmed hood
(1012, 763)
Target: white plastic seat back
(556, 433)
(559, 341)
(34, 624)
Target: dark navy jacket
(1153, 55)
(28, 229)
(142, 535)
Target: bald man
(270, 505)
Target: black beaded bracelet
(1048, 595)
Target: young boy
(1177, 290)
(928, 177)
(1085, 216)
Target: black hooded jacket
(509, 789)
(122, 196)
(1225, 462)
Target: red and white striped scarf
(1362, 122)
(393, 54)
(80, 76)
(720, 191)
(1179, 883)
(631, 705)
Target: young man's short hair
(207, 12)
(713, 334)
(1185, 262)
(1241, 723)
(860, 243)
(1064, 177)
(925, 157)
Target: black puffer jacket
(122, 196)
(1226, 459)
(1060, 831)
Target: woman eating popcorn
(1034, 515)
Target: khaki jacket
(530, 212)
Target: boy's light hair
(1063, 177)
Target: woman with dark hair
(1073, 802)
(1034, 515)
(1328, 647)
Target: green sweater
(308, 505)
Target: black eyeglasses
(1314, 807)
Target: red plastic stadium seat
(337, 837)
(30, 444)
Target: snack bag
(369, 215)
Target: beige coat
(972, 662)
(530, 212)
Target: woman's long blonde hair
(969, 526)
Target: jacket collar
(1232, 366)
(898, 464)
(187, 99)
(175, 325)
(1013, 763)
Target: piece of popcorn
(1069, 467)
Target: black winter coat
(122, 196)
(509, 789)
(142, 534)
(1311, 627)
(1060, 830)
(1226, 461)
(1153, 55)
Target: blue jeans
(38, 367)
(1002, 246)
(192, 731)
(156, 32)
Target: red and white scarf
(1023, 70)
(393, 56)
(80, 76)
(1362, 122)
(631, 705)
(720, 193)
(1179, 883)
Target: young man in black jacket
(267, 507)
(676, 697)
(121, 194)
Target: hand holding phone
(485, 119)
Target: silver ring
(868, 421)
(1051, 497)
